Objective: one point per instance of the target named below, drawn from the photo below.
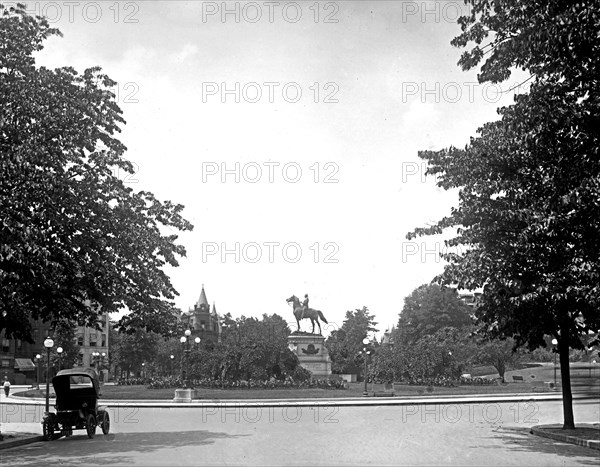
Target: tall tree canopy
(344, 344)
(529, 200)
(74, 239)
(428, 309)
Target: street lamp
(38, 359)
(102, 357)
(554, 343)
(171, 372)
(365, 353)
(48, 343)
(143, 369)
(59, 350)
(187, 348)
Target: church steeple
(202, 301)
(201, 319)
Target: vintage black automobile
(77, 391)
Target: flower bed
(288, 383)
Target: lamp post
(102, 357)
(187, 348)
(554, 343)
(365, 353)
(59, 350)
(48, 343)
(38, 359)
(143, 369)
(171, 372)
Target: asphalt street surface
(445, 434)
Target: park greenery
(64, 337)
(75, 240)
(428, 309)
(529, 183)
(249, 349)
(344, 344)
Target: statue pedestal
(312, 353)
(183, 395)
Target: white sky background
(399, 90)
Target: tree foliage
(130, 350)
(428, 309)
(499, 353)
(447, 352)
(64, 336)
(529, 209)
(250, 348)
(344, 344)
(551, 39)
(74, 239)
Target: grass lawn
(583, 376)
(354, 390)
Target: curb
(335, 402)
(7, 444)
(541, 431)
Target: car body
(77, 391)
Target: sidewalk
(14, 439)
(585, 434)
(18, 434)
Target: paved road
(455, 434)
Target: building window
(103, 341)
(5, 345)
(5, 363)
(80, 341)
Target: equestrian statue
(302, 311)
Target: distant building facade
(202, 319)
(18, 358)
(471, 299)
(388, 336)
(90, 341)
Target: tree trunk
(501, 368)
(565, 375)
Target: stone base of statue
(183, 395)
(312, 353)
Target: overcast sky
(322, 106)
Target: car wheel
(90, 425)
(105, 423)
(48, 429)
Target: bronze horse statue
(313, 315)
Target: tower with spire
(202, 319)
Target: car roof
(89, 372)
(66, 375)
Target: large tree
(529, 210)
(250, 348)
(74, 239)
(344, 344)
(130, 350)
(64, 337)
(499, 353)
(428, 309)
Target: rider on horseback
(304, 306)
